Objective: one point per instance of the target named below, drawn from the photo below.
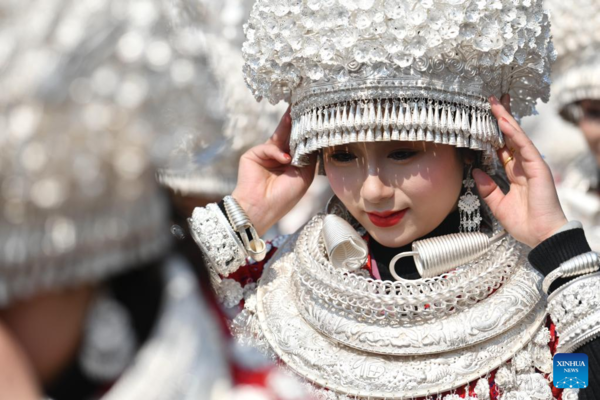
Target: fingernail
(494, 100)
(287, 156)
(504, 119)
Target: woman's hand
(17, 380)
(530, 211)
(268, 185)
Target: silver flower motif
(515, 395)
(505, 378)
(522, 361)
(482, 389)
(543, 336)
(230, 293)
(423, 29)
(570, 394)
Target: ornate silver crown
(210, 110)
(372, 70)
(83, 87)
(577, 38)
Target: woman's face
(398, 191)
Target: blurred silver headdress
(215, 122)
(85, 86)
(577, 39)
(371, 70)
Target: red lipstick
(386, 219)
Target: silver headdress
(577, 40)
(215, 121)
(371, 70)
(82, 91)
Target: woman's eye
(592, 113)
(343, 157)
(400, 155)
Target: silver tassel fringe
(378, 120)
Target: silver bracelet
(582, 264)
(575, 311)
(255, 246)
(215, 236)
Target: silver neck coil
(439, 255)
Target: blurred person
(559, 141)
(386, 295)
(207, 142)
(92, 303)
(576, 95)
(215, 123)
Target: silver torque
(438, 255)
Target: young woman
(410, 286)
(92, 304)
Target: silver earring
(109, 341)
(468, 204)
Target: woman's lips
(387, 218)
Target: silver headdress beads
(215, 122)
(372, 70)
(576, 36)
(79, 110)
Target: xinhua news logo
(570, 370)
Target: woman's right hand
(268, 185)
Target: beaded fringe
(394, 119)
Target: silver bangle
(583, 331)
(575, 310)
(582, 264)
(255, 246)
(220, 244)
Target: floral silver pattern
(488, 318)
(362, 373)
(274, 321)
(524, 377)
(215, 236)
(339, 62)
(356, 373)
(575, 309)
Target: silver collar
(345, 348)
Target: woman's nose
(375, 191)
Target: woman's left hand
(530, 211)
